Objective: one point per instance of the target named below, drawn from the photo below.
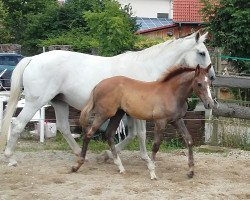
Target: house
(150, 9)
(151, 15)
(187, 15)
(183, 17)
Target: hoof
(103, 157)
(12, 163)
(153, 177)
(107, 155)
(122, 171)
(74, 169)
(190, 174)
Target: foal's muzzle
(209, 104)
(212, 78)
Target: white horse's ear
(203, 37)
(197, 36)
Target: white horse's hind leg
(17, 127)
(132, 131)
(62, 124)
(141, 128)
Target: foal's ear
(197, 70)
(208, 67)
(197, 36)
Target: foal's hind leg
(62, 124)
(98, 121)
(110, 132)
(17, 127)
(181, 127)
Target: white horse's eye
(202, 53)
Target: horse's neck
(160, 57)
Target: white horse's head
(198, 55)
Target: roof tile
(187, 11)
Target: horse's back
(69, 73)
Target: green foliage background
(229, 22)
(84, 24)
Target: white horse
(67, 78)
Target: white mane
(151, 51)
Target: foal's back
(136, 98)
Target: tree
(44, 22)
(5, 35)
(19, 12)
(229, 22)
(112, 27)
(19, 15)
(68, 26)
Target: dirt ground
(45, 175)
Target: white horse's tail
(15, 91)
(86, 111)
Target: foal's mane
(174, 71)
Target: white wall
(149, 8)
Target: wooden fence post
(214, 136)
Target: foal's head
(201, 86)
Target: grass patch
(98, 146)
(166, 146)
(211, 149)
(29, 143)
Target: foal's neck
(182, 88)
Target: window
(162, 15)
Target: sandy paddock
(45, 175)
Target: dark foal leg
(98, 121)
(160, 125)
(181, 127)
(110, 133)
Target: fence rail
(232, 81)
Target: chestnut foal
(163, 101)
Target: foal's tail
(15, 91)
(86, 111)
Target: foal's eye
(202, 53)
(199, 85)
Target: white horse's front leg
(141, 128)
(17, 127)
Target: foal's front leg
(160, 125)
(181, 127)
